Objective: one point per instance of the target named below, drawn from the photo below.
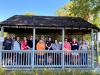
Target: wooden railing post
(62, 54)
(92, 47)
(1, 43)
(33, 48)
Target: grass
(47, 72)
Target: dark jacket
(30, 43)
(74, 46)
(7, 44)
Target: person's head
(17, 38)
(66, 40)
(42, 37)
(83, 42)
(56, 41)
(25, 38)
(12, 36)
(41, 41)
(49, 39)
(74, 40)
(31, 37)
(8, 37)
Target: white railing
(45, 58)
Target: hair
(16, 37)
(75, 41)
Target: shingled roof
(47, 21)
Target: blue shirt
(56, 46)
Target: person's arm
(79, 47)
(3, 45)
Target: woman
(17, 46)
(40, 55)
(49, 55)
(83, 55)
(48, 44)
(24, 54)
(75, 54)
(7, 45)
(24, 44)
(30, 47)
(67, 47)
(57, 55)
(30, 43)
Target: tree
(65, 10)
(29, 14)
(87, 9)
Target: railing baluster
(50, 58)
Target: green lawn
(48, 72)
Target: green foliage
(48, 72)
(29, 14)
(86, 9)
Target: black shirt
(30, 43)
(74, 47)
(48, 44)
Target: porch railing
(45, 58)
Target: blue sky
(18, 7)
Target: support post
(33, 48)
(62, 60)
(92, 47)
(97, 48)
(1, 43)
(2, 31)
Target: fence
(45, 58)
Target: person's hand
(28, 47)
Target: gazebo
(69, 24)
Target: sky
(9, 8)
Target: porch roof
(47, 21)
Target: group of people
(79, 51)
(15, 43)
(12, 43)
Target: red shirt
(67, 46)
(24, 45)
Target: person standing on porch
(24, 44)
(48, 44)
(83, 55)
(17, 44)
(30, 43)
(75, 54)
(49, 56)
(57, 56)
(12, 37)
(67, 47)
(17, 47)
(30, 47)
(40, 55)
(85, 41)
(84, 51)
(24, 47)
(7, 45)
